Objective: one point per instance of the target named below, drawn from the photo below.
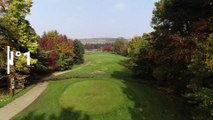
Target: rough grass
(87, 93)
(6, 98)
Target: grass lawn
(6, 99)
(102, 90)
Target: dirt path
(10, 110)
(13, 108)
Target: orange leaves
(56, 49)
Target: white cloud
(120, 6)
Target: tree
(79, 52)
(4, 4)
(178, 54)
(202, 60)
(52, 34)
(120, 46)
(89, 46)
(65, 51)
(107, 48)
(3, 43)
(140, 63)
(23, 34)
(49, 58)
(182, 51)
(133, 46)
(19, 34)
(57, 50)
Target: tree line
(118, 47)
(178, 54)
(57, 52)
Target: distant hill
(97, 40)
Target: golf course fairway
(102, 89)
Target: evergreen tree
(79, 52)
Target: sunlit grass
(102, 90)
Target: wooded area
(177, 56)
(50, 52)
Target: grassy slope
(138, 101)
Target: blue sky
(92, 18)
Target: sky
(92, 18)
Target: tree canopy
(17, 33)
(178, 53)
(120, 46)
(79, 52)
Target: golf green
(92, 97)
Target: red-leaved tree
(107, 48)
(58, 51)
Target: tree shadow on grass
(149, 103)
(125, 73)
(65, 114)
(126, 76)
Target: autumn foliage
(178, 54)
(58, 51)
(107, 48)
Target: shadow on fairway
(65, 114)
(149, 103)
(125, 75)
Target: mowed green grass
(102, 89)
(83, 96)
